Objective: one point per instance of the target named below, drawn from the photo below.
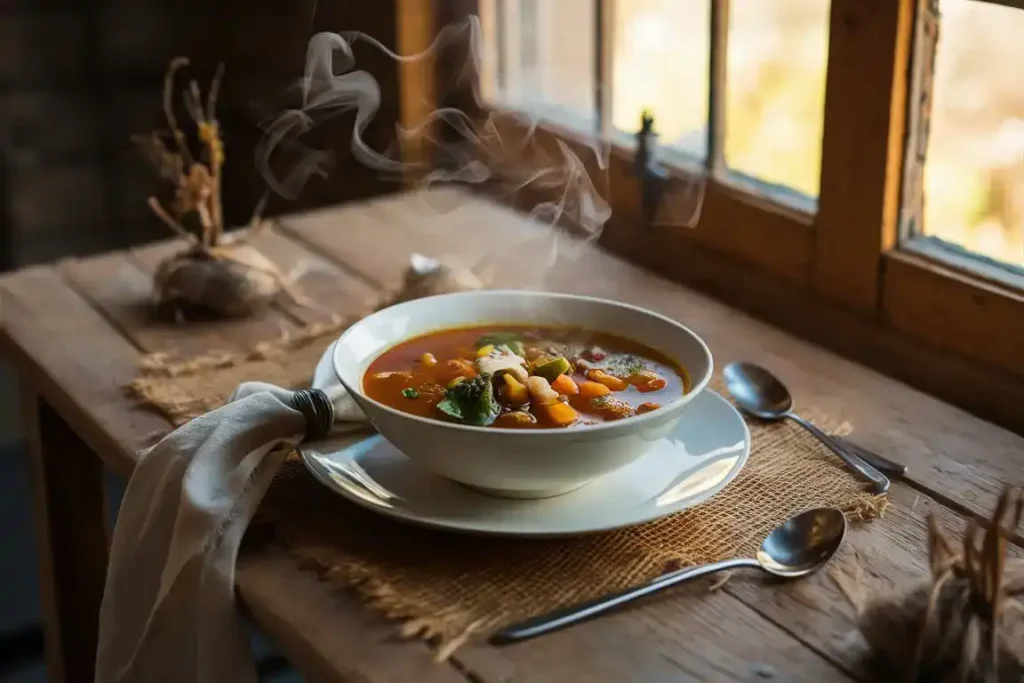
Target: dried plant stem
(216, 150)
(172, 121)
(215, 84)
(194, 102)
(169, 220)
(216, 208)
(256, 222)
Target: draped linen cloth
(168, 613)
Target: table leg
(72, 535)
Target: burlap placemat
(449, 587)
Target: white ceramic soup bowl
(526, 463)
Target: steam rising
(501, 151)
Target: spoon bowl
(759, 393)
(795, 548)
(802, 544)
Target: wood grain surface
(76, 333)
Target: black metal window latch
(653, 176)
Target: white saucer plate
(704, 452)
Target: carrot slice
(610, 381)
(656, 384)
(593, 390)
(564, 385)
(562, 414)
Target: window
(973, 169)
(541, 66)
(648, 34)
(867, 153)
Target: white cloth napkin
(168, 612)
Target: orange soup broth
(450, 346)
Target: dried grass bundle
(214, 275)
(964, 623)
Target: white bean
(541, 391)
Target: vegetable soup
(524, 377)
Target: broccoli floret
(471, 402)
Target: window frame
(848, 255)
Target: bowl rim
(635, 421)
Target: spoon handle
(567, 616)
(880, 462)
(865, 470)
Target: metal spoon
(795, 548)
(759, 393)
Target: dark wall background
(78, 77)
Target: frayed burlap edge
(444, 631)
(292, 356)
(165, 365)
(453, 625)
(180, 389)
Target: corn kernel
(428, 359)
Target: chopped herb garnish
(622, 365)
(410, 393)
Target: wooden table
(75, 332)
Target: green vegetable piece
(471, 402)
(499, 338)
(410, 393)
(553, 368)
(516, 347)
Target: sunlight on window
(974, 173)
(543, 58)
(775, 90)
(660, 62)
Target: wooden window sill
(893, 345)
(759, 230)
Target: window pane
(775, 90)
(660, 62)
(974, 169)
(543, 56)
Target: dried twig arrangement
(216, 274)
(965, 623)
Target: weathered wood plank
(199, 337)
(72, 537)
(328, 635)
(862, 147)
(955, 310)
(692, 636)
(41, 313)
(682, 635)
(77, 361)
(949, 452)
(885, 553)
(361, 236)
(941, 373)
(121, 288)
(331, 290)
